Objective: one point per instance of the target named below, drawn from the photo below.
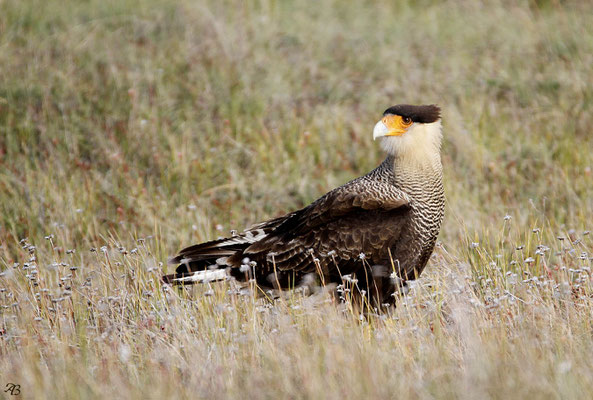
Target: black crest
(422, 114)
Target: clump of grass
(129, 129)
(507, 318)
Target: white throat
(419, 147)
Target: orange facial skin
(396, 124)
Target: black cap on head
(422, 114)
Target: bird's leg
(386, 286)
(382, 285)
(400, 288)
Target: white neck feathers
(419, 147)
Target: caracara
(378, 230)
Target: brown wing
(361, 217)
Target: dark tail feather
(196, 262)
(210, 251)
(185, 270)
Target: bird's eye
(407, 120)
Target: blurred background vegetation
(183, 119)
(129, 111)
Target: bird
(378, 230)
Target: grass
(129, 129)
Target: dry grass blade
(129, 129)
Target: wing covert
(359, 217)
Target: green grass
(145, 126)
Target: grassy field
(129, 129)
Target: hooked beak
(380, 130)
(391, 125)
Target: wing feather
(348, 220)
(366, 215)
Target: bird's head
(410, 132)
